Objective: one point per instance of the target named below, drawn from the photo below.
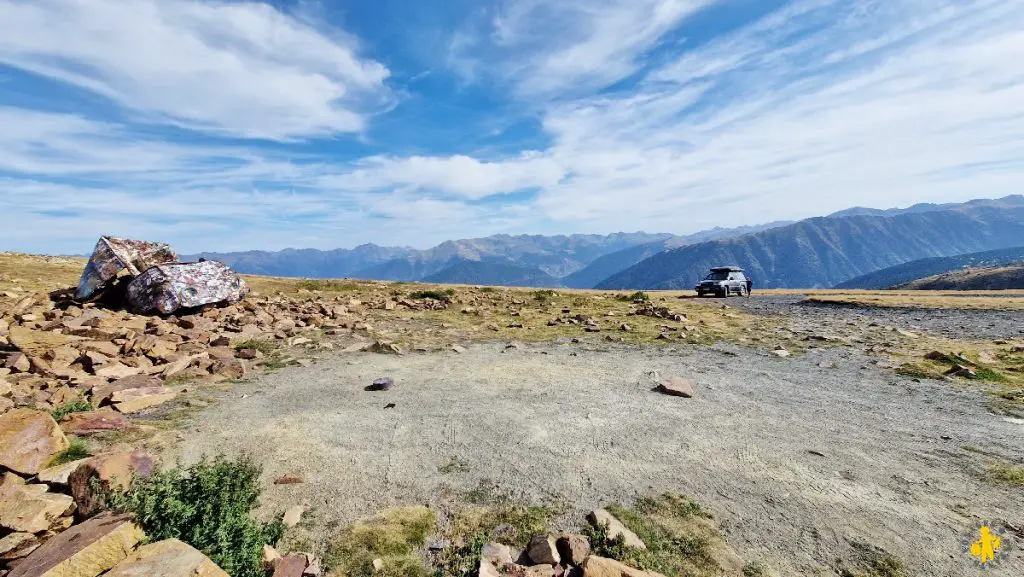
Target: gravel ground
(952, 323)
(543, 426)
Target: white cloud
(550, 48)
(460, 176)
(240, 69)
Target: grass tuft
(393, 537)
(637, 297)
(874, 562)
(324, 285)
(679, 536)
(455, 464)
(79, 405)
(1006, 474)
(77, 449)
(265, 347)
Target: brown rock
(167, 558)
(102, 393)
(28, 439)
(117, 371)
(30, 508)
(17, 545)
(248, 354)
(111, 470)
(573, 548)
(35, 343)
(135, 400)
(293, 516)
(18, 363)
(615, 528)
(89, 548)
(497, 554)
(180, 365)
(82, 424)
(292, 565)
(601, 567)
(61, 357)
(229, 368)
(5, 405)
(59, 474)
(270, 558)
(288, 480)
(105, 348)
(675, 386)
(543, 549)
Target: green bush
(78, 405)
(438, 295)
(637, 297)
(544, 295)
(265, 347)
(208, 506)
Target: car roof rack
(726, 269)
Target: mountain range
(816, 252)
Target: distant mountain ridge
(825, 251)
(902, 274)
(609, 264)
(493, 273)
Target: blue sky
(264, 125)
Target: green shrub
(265, 347)
(208, 506)
(78, 405)
(637, 297)
(77, 449)
(438, 295)
(544, 295)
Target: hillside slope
(904, 273)
(821, 252)
(994, 278)
(494, 274)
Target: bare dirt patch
(804, 466)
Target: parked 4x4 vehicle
(724, 281)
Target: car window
(717, 276)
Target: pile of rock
(649, 309)
(108, 545)
(562, 554)
(54, 352)
(39, 501)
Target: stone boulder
(86, 549)
(29, 508)
(58, 474)
(167, 558)
(291, 565)
(615, 528)
(543, 549)
(574, 549)
(601, 567)
(102, 393)
(82, 424)
(675, 386)
(138, 399)
(17, 545)
(28, 440)
(110, 471)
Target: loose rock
(615, 528)
(167, 558)
(675, 386)
(88, 548)
(28, 440)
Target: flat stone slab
(86, 549)
(167, 558)
(28, 439)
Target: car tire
(743, 291)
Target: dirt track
(543, 426)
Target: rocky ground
(954, 323)
(800, 463)
(812, 432)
